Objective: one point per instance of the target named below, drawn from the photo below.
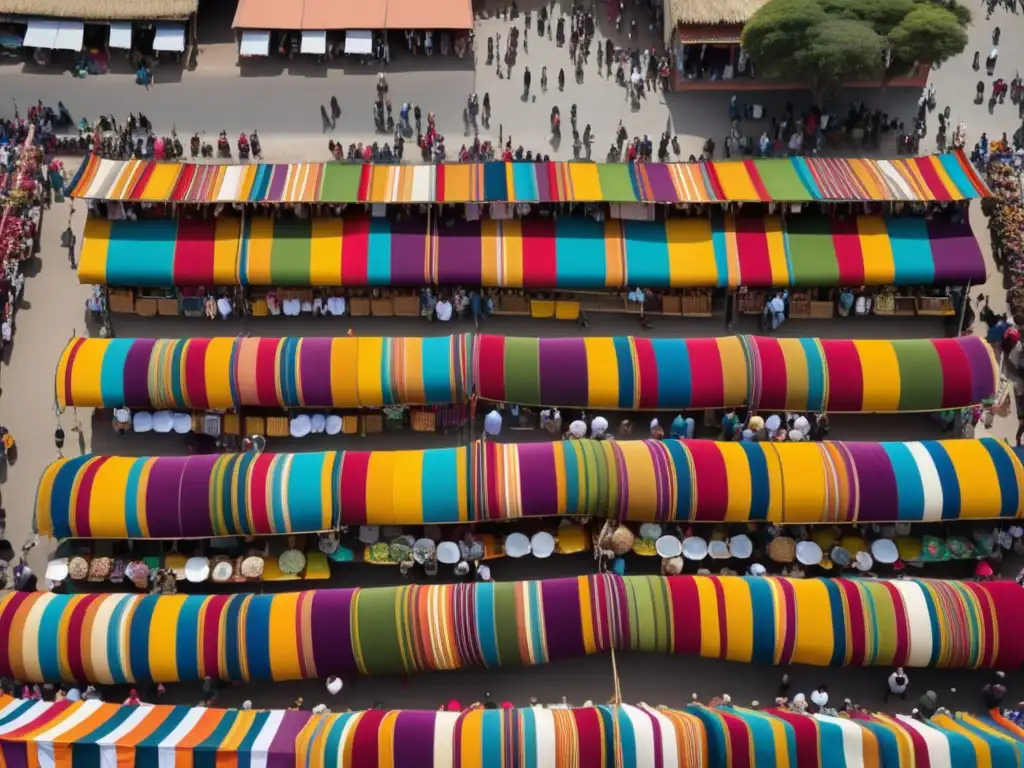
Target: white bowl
(197, 569)
(669, 546)
(808, 553)
(695, 548)
(542, 544)
(517, 545)
(741, 547)
(448, 553)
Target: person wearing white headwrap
(334, 685)
(803, 425)
(492, 423)
(657, 433)
(756, 569)
(246, 705)
(748, 435)
(598, 426)
(578, 429)
(795, 435)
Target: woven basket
(621, 541)
(782, 550)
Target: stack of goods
(19, 223)
(1006, 224)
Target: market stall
(944, 177)
(706, 481)
(65, 735)
(232, 373)
(669, 480)
(840, 375)
(712, 252)
(398, 630)
(20, 216)
(765, 373)
(249, 494)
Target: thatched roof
(101, 10)
(714, 11)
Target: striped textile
(708, 252)
(225, 373)
(942, 177)
(79, 735)
(120, 638)
(637, 480)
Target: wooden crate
(359, 307)
(799, 305)
(823, 310)
(255, 425)
(423, 421)
(567, 310)
(145, 307)
(373, 424)
(905, 306)
(231, 424)
(167, 307)
(382, 308)
(350, 425)
(673, 305)
(936, 306)
(697, 303)
(512, 305)
(121, 301)
(751, 302)
(541, 309)
(407, 306)
(277, 426)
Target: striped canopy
(721, 251)
(935, 178)
(768, 373)
(223, 373)
(77, 735)
(698, 480)
(121, 638)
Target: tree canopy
(828, 42)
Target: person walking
(526, 83)
(898, 684)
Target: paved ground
(284, 106)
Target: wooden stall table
(511, 304)
(542, 309)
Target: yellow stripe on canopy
(163, 640)
(739, 614)
(325, 251)
(344, 372)
(797, 374)
(691, 253)
(814, 640)
(217, 372)
(407, 484)
(368, 371)
(975, 470)
(804, 490)
(108, 516)
(92, 258)
(283, 642)
(881, 390)
(259, 245)
(602, 373)
(87, 371)
(879, 265)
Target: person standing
(526, 83)
(898, 684)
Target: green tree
(828, 42)
(928, 34)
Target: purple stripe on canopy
(956, 254)
(314, 373)
(409, 248)
(414, 731)
(460, 255)
(331, 637)
(545, 172)
(136, 373)
(879, 497)
(660, 179)
(281, 752)
(983, 381)
(563, 372)
(163, 500)
(538, 481)
(194, 513)
(561, 601)
(278, 180)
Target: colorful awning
(699, 252)
(418, 628)
(224, 373)
(245, 494)
(709, 481)
(839, 375)
(942, 177)
(622, 372)
(768, 373)
(72, 735)
(619, 373)
(639, 480)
